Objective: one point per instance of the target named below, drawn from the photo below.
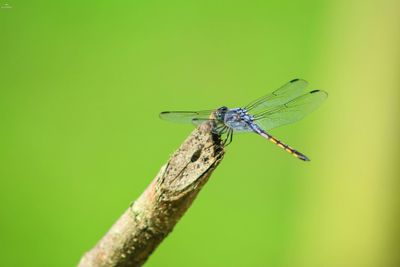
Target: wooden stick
(149, 219)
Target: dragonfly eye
(221, 112)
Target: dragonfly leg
(220, 129)
(229, 137)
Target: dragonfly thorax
(238, 119)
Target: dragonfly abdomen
(282, 145)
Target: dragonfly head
(220, 113)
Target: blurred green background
(81, 87)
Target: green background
(81, 86)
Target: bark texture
(149, 219)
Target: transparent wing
(282, 95)
(198, 121)
(194, 117)
(290, 112)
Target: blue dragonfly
(286, 105)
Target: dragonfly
(288, 104)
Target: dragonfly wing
(290, 112)
(282, 95)
(195, 117)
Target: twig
(143, 226)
